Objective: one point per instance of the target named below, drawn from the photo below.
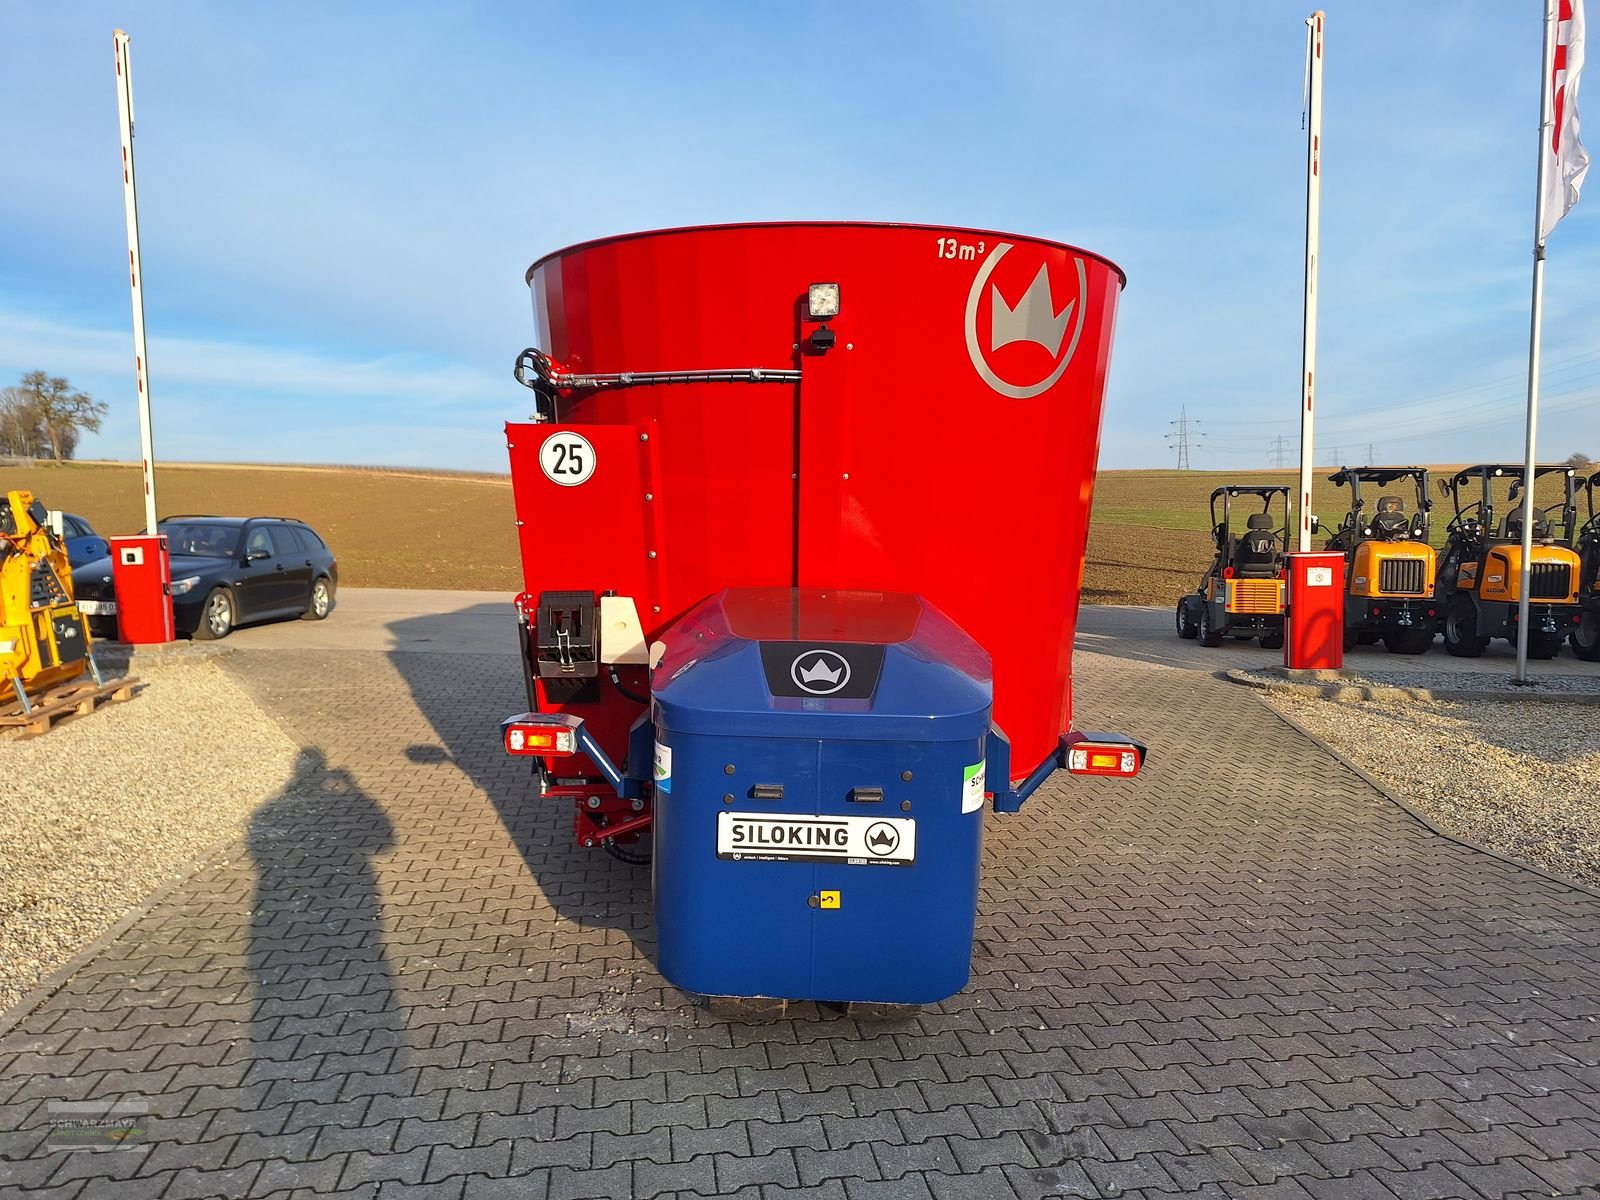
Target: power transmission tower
(1372, 453)
(1185, 434)
(1280, 451)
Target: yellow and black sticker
(830, 899)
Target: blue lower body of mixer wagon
(819, 760)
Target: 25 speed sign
(567, 458)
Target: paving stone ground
(1245, 974)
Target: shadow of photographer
(317, 960)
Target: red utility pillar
(1314, 624)
(140, 573)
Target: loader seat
(1390, 520)
(1257, 555)
(1541, 527)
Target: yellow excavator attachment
(44, 641)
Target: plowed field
(1148, 542)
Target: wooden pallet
(64, 703)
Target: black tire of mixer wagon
(1461, 638)
(1207, 636)
(1368, 638)
(1272, 640)
(1585, 639)
(1408, 641)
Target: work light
(822, 301)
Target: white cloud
(28, 342)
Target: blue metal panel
(900, 935)
(732, 928)
(901, 761)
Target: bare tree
(46, 409)
(1581, 462)
(21, 434)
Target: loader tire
(1187, 628)
(1206, 635)
(1461, 630)
(1585, 638)
(1272, 640)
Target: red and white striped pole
(1308, 362)
(141, 359)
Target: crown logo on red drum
(1032, 320)
(1031, 338)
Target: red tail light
(532, 739)
(1227, 572)
(1091, 754)
(541, 734)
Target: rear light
(1102, 754)
(543, 734)
(1227, 572)
(1102, 760)
(530, 739)
(1377, 612)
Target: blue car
(83, 543)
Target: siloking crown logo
(1023, 322)
(820, 672)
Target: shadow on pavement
(464, 697)
(316, 924)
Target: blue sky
(339, 201)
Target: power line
(1391, 410)
(1184, 432)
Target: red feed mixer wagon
(802, 514)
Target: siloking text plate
(789, 837)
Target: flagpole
(1535, 330)
(130, 204)
(1308, 345)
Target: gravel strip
(1521, 779)
(99, 813)
(1444, 681)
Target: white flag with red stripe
(1565, 175)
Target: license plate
(98, 608)
(780, 837)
